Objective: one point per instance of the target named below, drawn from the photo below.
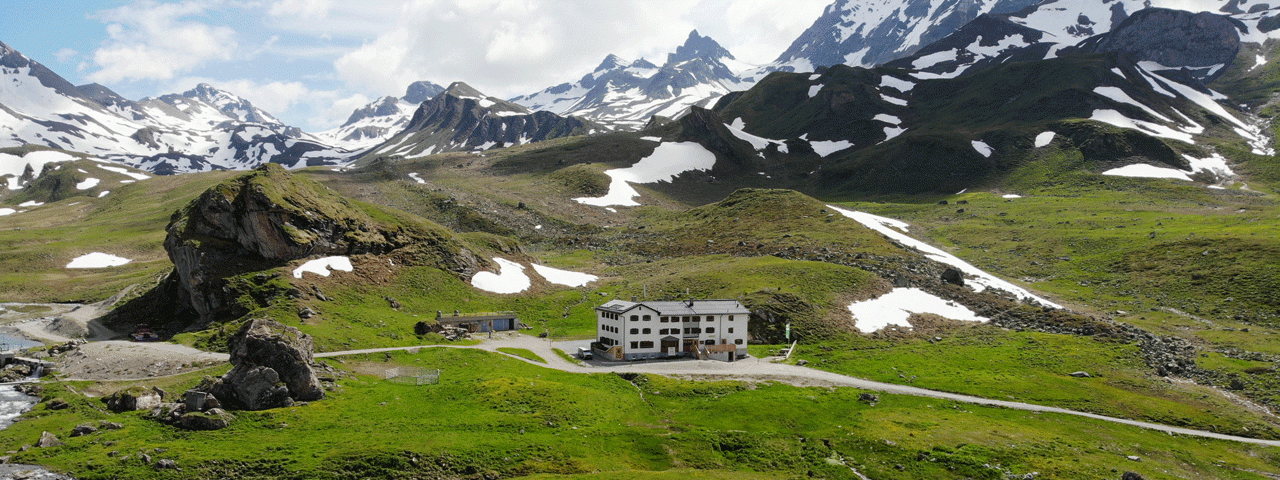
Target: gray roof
(680, 307)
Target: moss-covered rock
(269, 217)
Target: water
(12, 404)
(10, 342)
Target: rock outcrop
(273, 368)
(1204, 42)
(269, 217)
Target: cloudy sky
(311, 62)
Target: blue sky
(311, 62)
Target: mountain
(624, 95)
(374, 123)
(202, 129)
(462, 119)
(861, 33)
(867, 34)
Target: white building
(699, 328)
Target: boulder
(254, 388)
(273, 368)
(1132, 476)
(198, 401)
(214, 419)
(1080, 374)
(48, 440)
(953, 276)
(134, 398)
(85, 429)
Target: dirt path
(758, 370)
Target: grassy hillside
(493, 416)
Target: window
(737, 341)
(646, 331)
(697, 318)
(635, 318)
(646, 344)
(635, 331)
(730, 329)
(696, 330)
(685, 319)
(711, 330)
(730, 318)
(665, 319)
(710, 342)
(634, 346)
(647, 318)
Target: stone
(1080, 374)
(869, 398)
(1134, 458)
(84, 429)
(214, 419)
(166, 464)
(134, 398)
(1132, 476)
(56, 404)
(284, 349)
(110, 425)
(198, 401)
(953, 276)
(255, 388)
(48, 440)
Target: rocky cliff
(268, 217)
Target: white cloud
(65, 55)
(156, 41)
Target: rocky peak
(383, 107)
(697, 46)
(421, 91)
(460, 89)
(611, 62)
(230, 105)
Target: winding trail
(757, 370)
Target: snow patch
(824, 148)
(87, 184)
(321, 266)
(652, 139)
(122, 171)
(97, 260)
(1142, 170)
(1112, 117)
(664, 164)
(895, 101)
(416, 178)
(509, 279)
(564, 277)
(891, 132)
(30, 203)
(104, 193)
(895, 307)
(1044, 138)
(7, 211)
(896, 83)
(813, 90)
(886, 118)
(978, 279)
(982, 148)
(1011, 195)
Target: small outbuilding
(478, 322)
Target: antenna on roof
(646, 291)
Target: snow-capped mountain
(873, 32)
(198, 130)
(376, 122)
(462, 119)
(624, 95)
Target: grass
(497, 416)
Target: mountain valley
(1094, 214)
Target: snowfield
(97, 260)
(509, 279)
(564, 277)
(321, 266)
(666, 162)
(895, 307)
(975, 277)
